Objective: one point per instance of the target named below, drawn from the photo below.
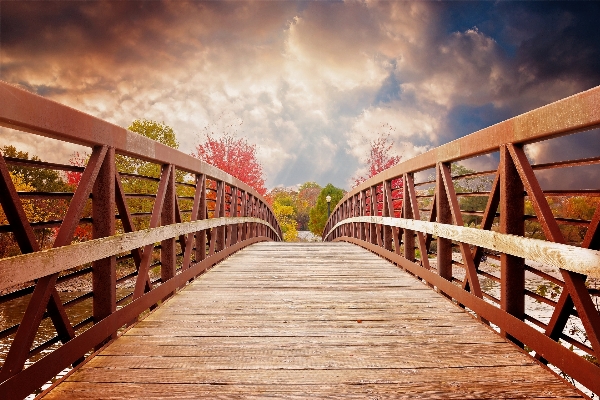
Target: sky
(310, 83)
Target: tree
(282, 195)
(284, 202)
(318, 214)
(41, 180)
(380, 158)
(161, 133)
(576, 208)
(308, 193)
(8, 246)
(469, 185)
(235, 156)
(300, 203)
(286, 216)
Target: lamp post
(328, 200)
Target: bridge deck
(310, 321)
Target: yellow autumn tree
(286, 216)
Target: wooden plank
(359, 390)
(27, 267)
(562, 256)
(261, 324)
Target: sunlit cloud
(309, 83)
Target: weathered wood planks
(30, 266)
(571, 258)
(310, 321)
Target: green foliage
(283, 201)
(318, 214)
(548, 289)
(301, 201)
(467, 185)
(156, 131)
(164, 134)
(39, 180)
(42, 180)
(308, 194)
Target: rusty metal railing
(187, 217)
(503, 257)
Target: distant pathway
(322, 320)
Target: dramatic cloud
(308, 82)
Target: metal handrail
(28, 267)
(383, 214)
(227, 215)
(571, 258)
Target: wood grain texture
(322, 320)
(570, 258)
(27, 267)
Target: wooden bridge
(192, 293)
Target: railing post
(409, 236)
(373, 227)
(220, 231)
(259, 212)
(328, 226)
(263, 216)
(201, 235)
(333, 222)
(228, 228)
(104, 278)
(244, 211)
(167, 217)
(354, 214)
(361, 212)
(340, 217)
(252, 214)
(512, 209)
(379, 227)
(386, 212)
(348, 215)
(444, 216)
(344, 216)
(233, 233)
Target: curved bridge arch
(388, 215)
(224, 216)
(369, 216)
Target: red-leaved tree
(82, 232)
(235, 156)
(381, 157)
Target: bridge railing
(133, 225)
(494, 241)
